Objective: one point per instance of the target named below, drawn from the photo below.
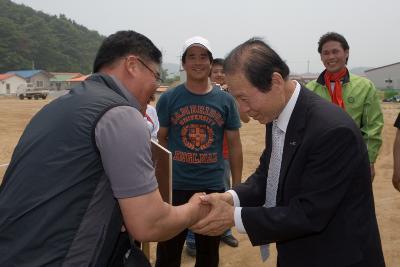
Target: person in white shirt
(151, 119)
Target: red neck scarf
(336, 95)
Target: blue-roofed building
(39, 78)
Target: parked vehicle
(29, 91)
(395, 98)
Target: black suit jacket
(325, 213)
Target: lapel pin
(293, 143)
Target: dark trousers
(136, 256)
(207, 247)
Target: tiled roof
(78, 79)
(6, 76)
(64, 76)
(27, 73)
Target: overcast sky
(292, 28)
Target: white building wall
(381, 77)
(13, 82)
(40, 79)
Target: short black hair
(122, 43)
(218, 61)
(333, 36)
(258, 61)
(210, 57)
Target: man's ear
(277, 79)
(131, 64)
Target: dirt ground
(15, 114)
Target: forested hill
(52, 43)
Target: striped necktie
(278, 139)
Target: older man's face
(261, 106)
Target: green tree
(54, 43)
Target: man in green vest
(355, 94)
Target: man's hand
(220, 218)
(199, 208)
(227, 197)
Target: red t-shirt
(225, 150)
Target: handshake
(211, 214)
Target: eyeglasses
(156, 74)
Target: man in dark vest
(83, 167)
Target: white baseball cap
(197, 41)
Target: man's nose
(243, 108)
(197, 60)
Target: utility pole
(308, 66)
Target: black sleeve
(252, 192)
(322, 191)
(397, 122)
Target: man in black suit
(311, 193)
